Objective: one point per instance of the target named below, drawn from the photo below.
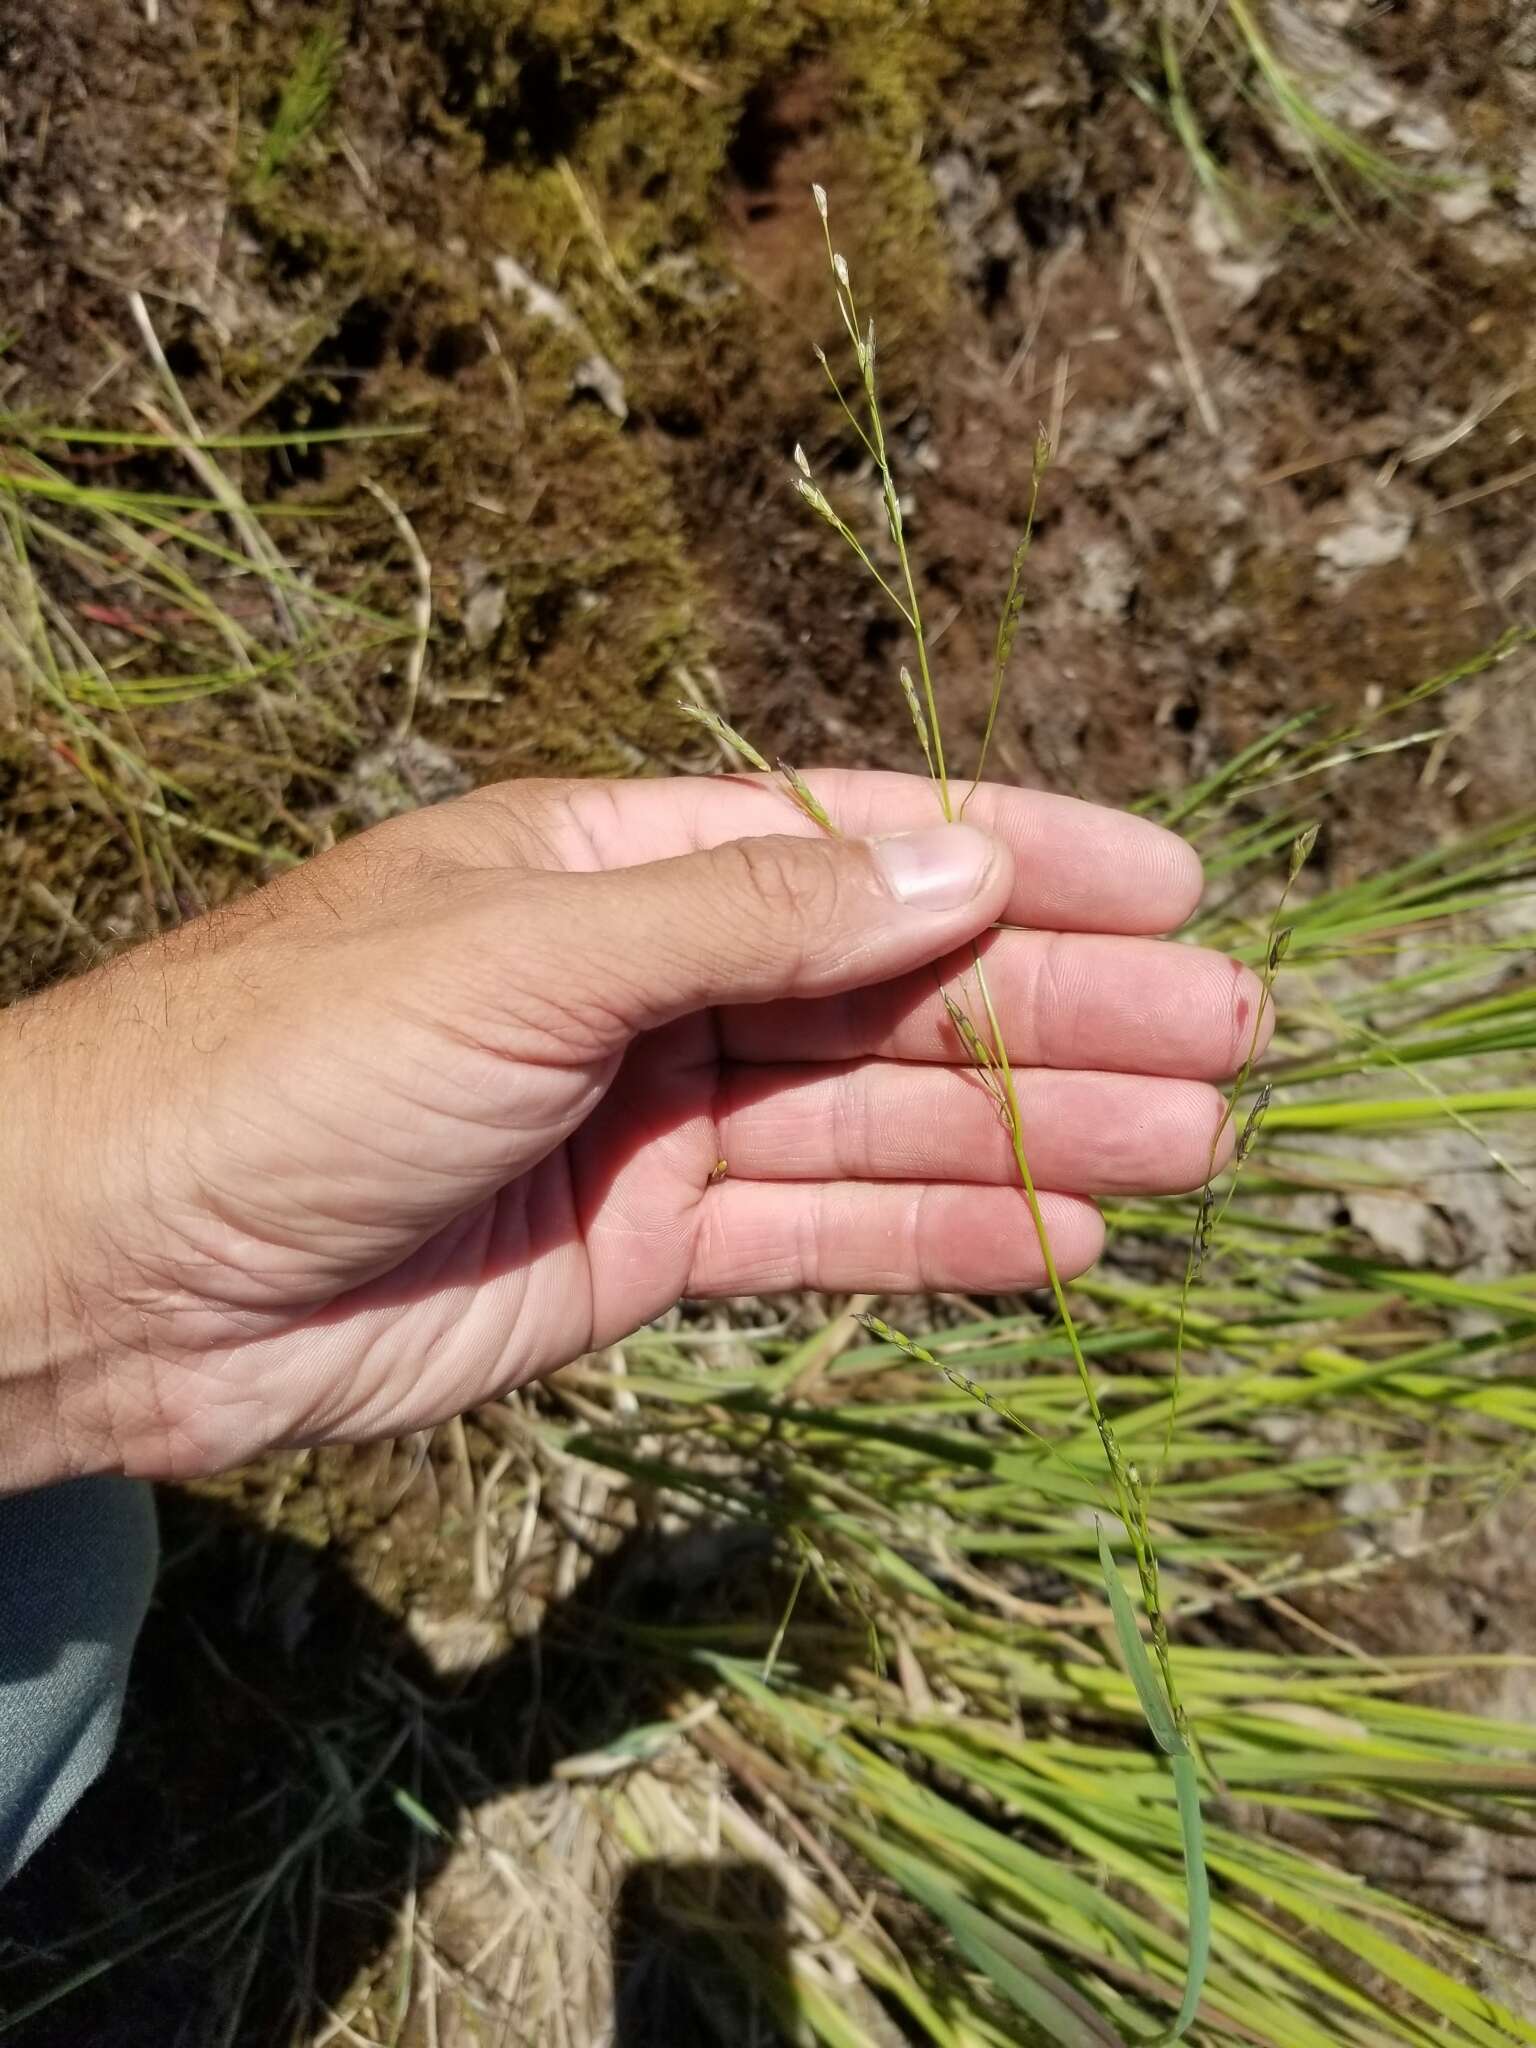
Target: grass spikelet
(727, 735)
(805, 799)
(919, 717)
(883, 1330)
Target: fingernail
(939, 868)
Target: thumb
(756, 919)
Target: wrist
(55, 1375)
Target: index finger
(1079, 866)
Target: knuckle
(767, 872)
(787, 888)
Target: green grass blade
(1011, 1965)
(1186, 1783)
(1197, 1883)
(1149, 1687)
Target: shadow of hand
(291, 1775)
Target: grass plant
(302, 105)
(978, 1030)
(122, 601)
(1234, 38)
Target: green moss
(596, 144)
(622, 154)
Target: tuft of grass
(302, 105)
(991, 1764)
(1233, 36)
(121, 602)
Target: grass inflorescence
(981, 1034)
(302, 105)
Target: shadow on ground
(291, 1767)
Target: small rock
(976, 217)
(1108, 578)
(594, 372)
(1470, 196)
(1425, 131)
(400, 775)
(1402, 1227)
(1385, 1518)
(1129, 430)
(1230, 263)
(1373, 534)
(484, 613)
(1498, 246)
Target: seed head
(840, 265)
(919, 717)
(819, 194)
(1205, 1225)
(816, 499)
(1301, 851)
(887, 1335)
(726, 734)
(1250, 1130)
(806, 799)
(800, 462)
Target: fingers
(1084, 1134)
(1068, 1000)
(752, 920)
(758, 1238)
(1078, 867)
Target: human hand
(493, 1084)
